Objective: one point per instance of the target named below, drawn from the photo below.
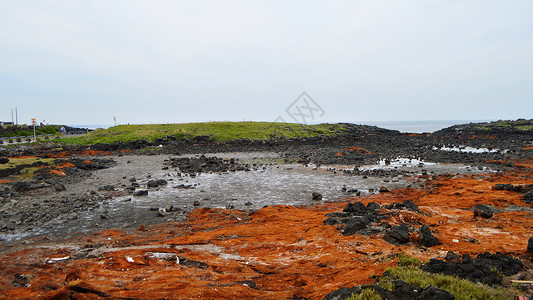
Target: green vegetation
(26, 165)
(23, 130)
(366, 294)
(520, 124)
(408, 271)
(218, 131)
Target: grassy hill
(219, 131)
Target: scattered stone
(486, 268)
(161, 212)
(4, 160)
(530, 245)
(169, 208)
(434, 293)
(248, 203)
(196, 203)
(483, 211)
(398, 234)
(203, 164)
(152, 184)
(427, 238)
(20, 280)
(192, 263)
(104, 216)
(132, 179)
(401, 290)
(59, 187)
(184, 186)
(140, 193)
(161, 182)
(355, 224)
(357, 208)
(106, 188)
(407, 204)
(383, 189)
(316, 196)
(373, 206)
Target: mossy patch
(408, 270)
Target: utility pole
(17, 116)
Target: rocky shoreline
(70, 182)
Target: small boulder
(161, 212)
(140, 193)
(59, 187)
(355, 224)
(4, 160)
(383, 189)
(530, 245)
(357, 208)
(427, 238)
(316, 196)
(373, 206)
(161, 182)
(152, 184)
(432, 292)
(106, 188)
(410, 205)
(483, 211)
(196, 203)
(398, 234)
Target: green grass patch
(520, 124)
(26, 166)
(218, 131)
(17, 162)
(408, 271)
(366, 294)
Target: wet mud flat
(113, 197)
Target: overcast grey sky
(156, 61)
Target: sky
(170, 61)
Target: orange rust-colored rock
(357, 149)
(274, 253)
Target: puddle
(396, 163)
(420, 167)
(283, 184)
(466, 149)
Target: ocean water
(419, 126)
(90, 126)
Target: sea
(402, 126)
(419, 126)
